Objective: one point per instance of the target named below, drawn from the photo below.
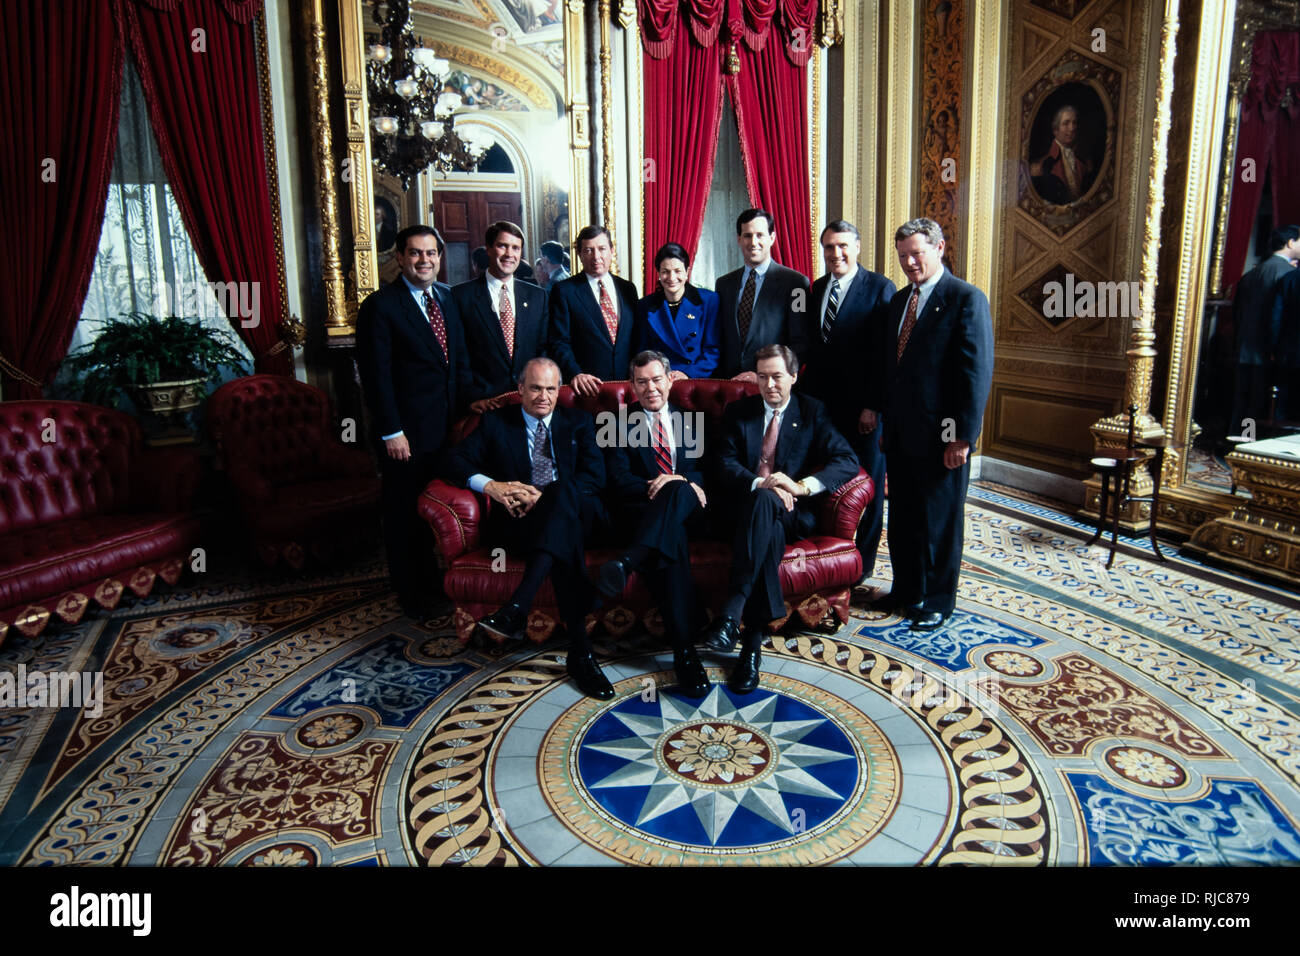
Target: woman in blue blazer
(678, 319)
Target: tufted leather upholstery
(300, 488)
(816, 573)
(85, 510)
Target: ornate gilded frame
(343, 171)
(1227, 34)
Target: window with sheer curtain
(145, 260)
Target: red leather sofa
(301, 490)
(86, 512)
(817, 574)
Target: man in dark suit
(767, 439)
(761, 303)
(1256, 333)
(848, 312)
(504, 318)
(935, 369)
(656, 489)
(415, 374)
(592, 314)
(1286, 349)
(540, 466)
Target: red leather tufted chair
(817, 573)
(301, 490)
(86, 512)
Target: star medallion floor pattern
(1069, 715)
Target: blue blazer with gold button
(691, 341)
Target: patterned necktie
(507, 320)
(543, 463)
(832, 307)
(768, 451)
(607, 310)
(745, 311)
(908, 322)
(436, 321)
(663, 455)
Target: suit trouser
(408, 539)
(763, 526)
(872, 522)
(663, 526)
(927, 512)
(555, 527)
(1252, 396)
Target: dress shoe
(506, 624)
(928, 620)
(691, 679)
(720, 635)
(744, 676)
(586, 673)
(611, 579)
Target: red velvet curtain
(202, 90)
(60, 85)
(771, 102)
(1269, 134)
(683, 105)
(683, 99)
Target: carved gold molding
(1262, 532)
(816, 153)
(859, 156)
(983, 161)
(606, 129)
(579, 112)
(494, 66)
(898, 159)
(271, 160)
(1113, 431)
(1213, 55)
(337, 320)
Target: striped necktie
(832, 307)
(663, 453)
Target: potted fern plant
(162, 364)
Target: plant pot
(169, 401)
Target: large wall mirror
(1244, 135)
(462, 112)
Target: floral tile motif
(1145, 767)
(951, 645)
(1236, 822)
(1086, 702)
(381, 677)
(261, 788)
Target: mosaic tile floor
(1070, 715)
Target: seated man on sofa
(540, 465)
(768, 440)
(656, 492)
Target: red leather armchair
(301, 490)
(86, 512)
(817, 573)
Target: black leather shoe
(691, 679)
(720, 635)
(744, 676)
(611, 579)
(591, 680)
(507, 624)
(928, 621)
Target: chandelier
(412, 112)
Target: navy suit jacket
(945, 372)
(807, 440)
(1286, 319)
(493, 368)
(691, 343)
(410, 386)
(630, 470)
(498, 448)
(777, 318)
(579, 340)
(840, 372)
(1252, 310)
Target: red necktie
(768, 451)
(909, 321)
(607, 310)
(663, 456)
(436, 322)
(507, 320)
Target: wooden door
(463, 218)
